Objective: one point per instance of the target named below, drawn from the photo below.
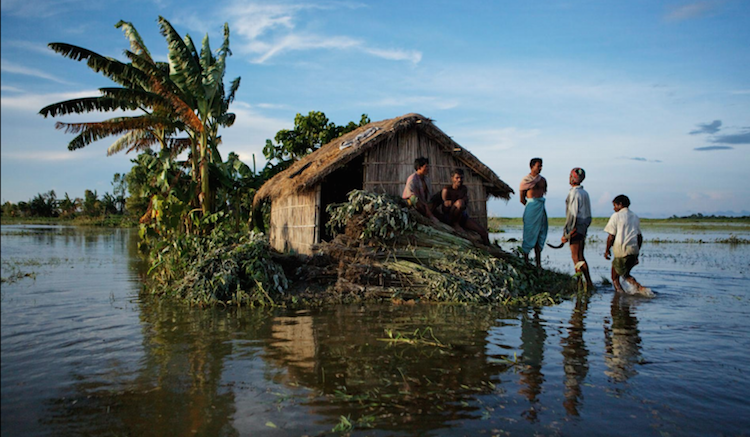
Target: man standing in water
(624, 229)
(577, 221)
(533, 188)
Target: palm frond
(91, 132)
(87, 104)
(136, 43)
(133, 140)
(138, 98)
(113, 69)
(185, 70)
(233, 90)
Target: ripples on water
(82, 354)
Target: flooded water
(83, 354)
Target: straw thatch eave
(313, 168)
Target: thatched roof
(313, 168)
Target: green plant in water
(344, 425)
(421, 337)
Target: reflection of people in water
(622, 341)
(575, 356)
(533, 337)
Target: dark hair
(622, 200)
(458, 171)
(420, 162)
(534, 161)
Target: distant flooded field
(84, 354)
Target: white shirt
(578, 211)
(626, 227)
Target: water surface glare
(83, 354)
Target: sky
(651, 98)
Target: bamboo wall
(387, 166)
(294, 222)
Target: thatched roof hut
(377, 157)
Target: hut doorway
(336, 186)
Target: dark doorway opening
(335, 188)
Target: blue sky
(651, 98)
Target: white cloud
(424, 102)
(30, 46)
(690, 11)
(35, 102)
(269, 30)
(28, 155)
(12, 67)
(497, 139)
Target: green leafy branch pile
(429, 263)
(218, 268)
(382, 218)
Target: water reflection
(575, 356)
(533, 337)
(417, 377)
(622, 340)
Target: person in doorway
(625, 239)
(417, 189)
(577, 221)
(455, 199)
(532, 191)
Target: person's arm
(446, 202)
(640, 241)
(610, 242)
(523, 196)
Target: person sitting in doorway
(417, 189)
(455, 200)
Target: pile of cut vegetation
(386, 251)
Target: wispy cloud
(709, 148)
(707, 128)
(27, 155)
(11, 67)
(30, 46)
(496, 139)
(641, 159)
(270, 30)
(424, 102)
(35, 102)
(691, 10)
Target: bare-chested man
(533, 188)
(455, 200)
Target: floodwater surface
(84, 354)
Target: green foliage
(438, 265)
(310, 132)
(222, 267)
(185, 96)
(383, 218)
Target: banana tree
(185, 95)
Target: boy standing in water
(577, 221)
(532, 191)
(624, 229)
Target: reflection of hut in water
(377, 157)
(294, 339)
(355, 368)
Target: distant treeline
(700, 216)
